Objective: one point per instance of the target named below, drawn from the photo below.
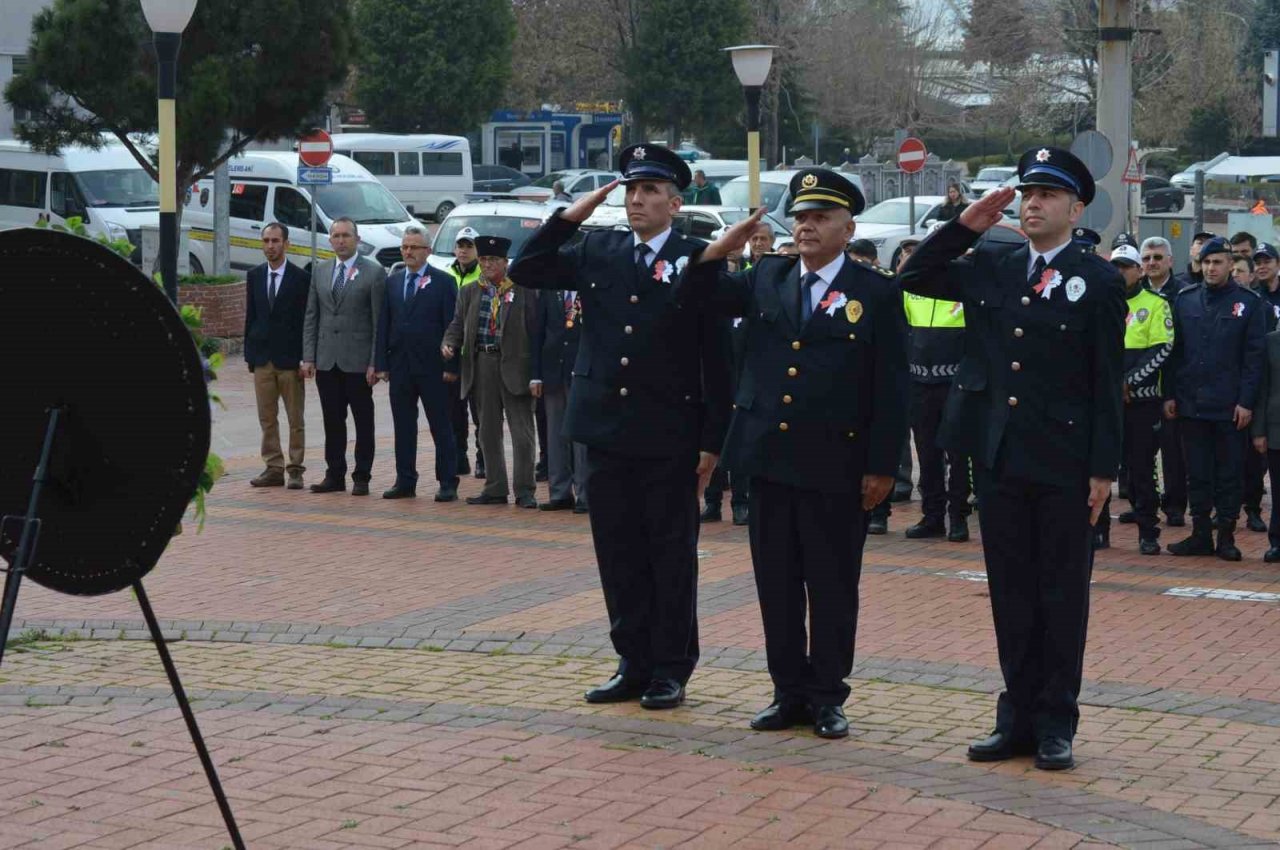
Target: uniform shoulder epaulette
(877, 269)
(1190, 288)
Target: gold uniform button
(625, 362)
(853, 336)
(782, 426)
(627, 329)
(795, 346)
(792, 372)
(1025, 301)
(622, 392)
(635, 299)
(786, 399)
(1015, 366)
(1013, 402)
(1016, 332)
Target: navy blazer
(273, 334)
(410, 333)
(651, 378)
(555, 344)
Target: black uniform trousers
(338, 391)
(1255, 467)
(1273, 467)
(721, 478)
(944, 476)
(1141, 441)
(1173, 463)
(806, 548)
(1215, 468)
(407, 391)
(644, 523)
(1037, 543)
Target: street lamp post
(167, 19)
(751, 63)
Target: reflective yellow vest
(1148, 341)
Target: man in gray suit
(339, 340)
(493, 328)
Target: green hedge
(209, 279)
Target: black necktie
(1038, 271)
(642, 253)
(271, 290)
(339, 279)
(410, 285)
(806, 294)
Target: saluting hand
(734, 239)
(984, 213)
(581, 209)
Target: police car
(496, 215)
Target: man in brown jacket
(491, 329)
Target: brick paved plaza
(409, 674)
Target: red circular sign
(911, 155)
(315, 148)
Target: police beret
(822, 189)
(654, 162)
(1058, 169)
(1216, 245)
(1124, 239)
(1266, 249)
(492, 246)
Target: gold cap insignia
(809, 181)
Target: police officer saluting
(650, 400)
(1211, 386)
(819, 423)
(1037, 404)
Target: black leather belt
(487, 349)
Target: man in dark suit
(416, 311)
(819, 422)
(649, 399)
(275, 306)
(339, 344)
(1036, 403)
(557, 329)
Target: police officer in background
(465, 269)
(1037, 404)
(819, 422)
(1255, 463)
(1211, 386)
(650, 400)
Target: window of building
(20, 65)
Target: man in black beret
(1037, 404)
(650, 400)
(819, 423)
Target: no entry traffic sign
(911, 155)
(315, 148)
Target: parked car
(1186, 178)
(1160, 195)
(577, 182)
(705, 221)
(498, 178)
(992, 177)
(514, 220)
(775, 193)
(887, 223)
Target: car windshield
(364, 202)
(734, 194)
(516, 228)
(994, 174)
(124, 187)
(545, 181)
(892, 211)
(617, 196)
(735, 216)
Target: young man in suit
(339, 345)
(557, 331)
(1037, 404)
(649, 399)
(416, 311)
(492, 327)
(275, 306)
(819, 423)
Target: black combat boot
(1199, 543)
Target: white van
(264, 188)
(429, 174)
(107, 188)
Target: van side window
(379, 163)
(21, 188)
(409, 164)
(441, 163)
(64, 196)
(248, 201)
(292, 209)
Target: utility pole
(1115, 105)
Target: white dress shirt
(655, 245)
(1048, 256)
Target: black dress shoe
(359, 488)
(710, 513)
(1175, 520)
(557, 505)
(877, 526)
(925, 529)
(959, 532)
(398, 492)
(617, 689)
(447, 494)
(1054, 754)
(662, 693)
(482, 499)
(1272, 555)
(580, 508)
(1149, 546)
(1127, 518)
(1253, 521)
(329, 485)
(782, 715)
(1000, 746)
(741, 515)
(526, 501)
(829, 722)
